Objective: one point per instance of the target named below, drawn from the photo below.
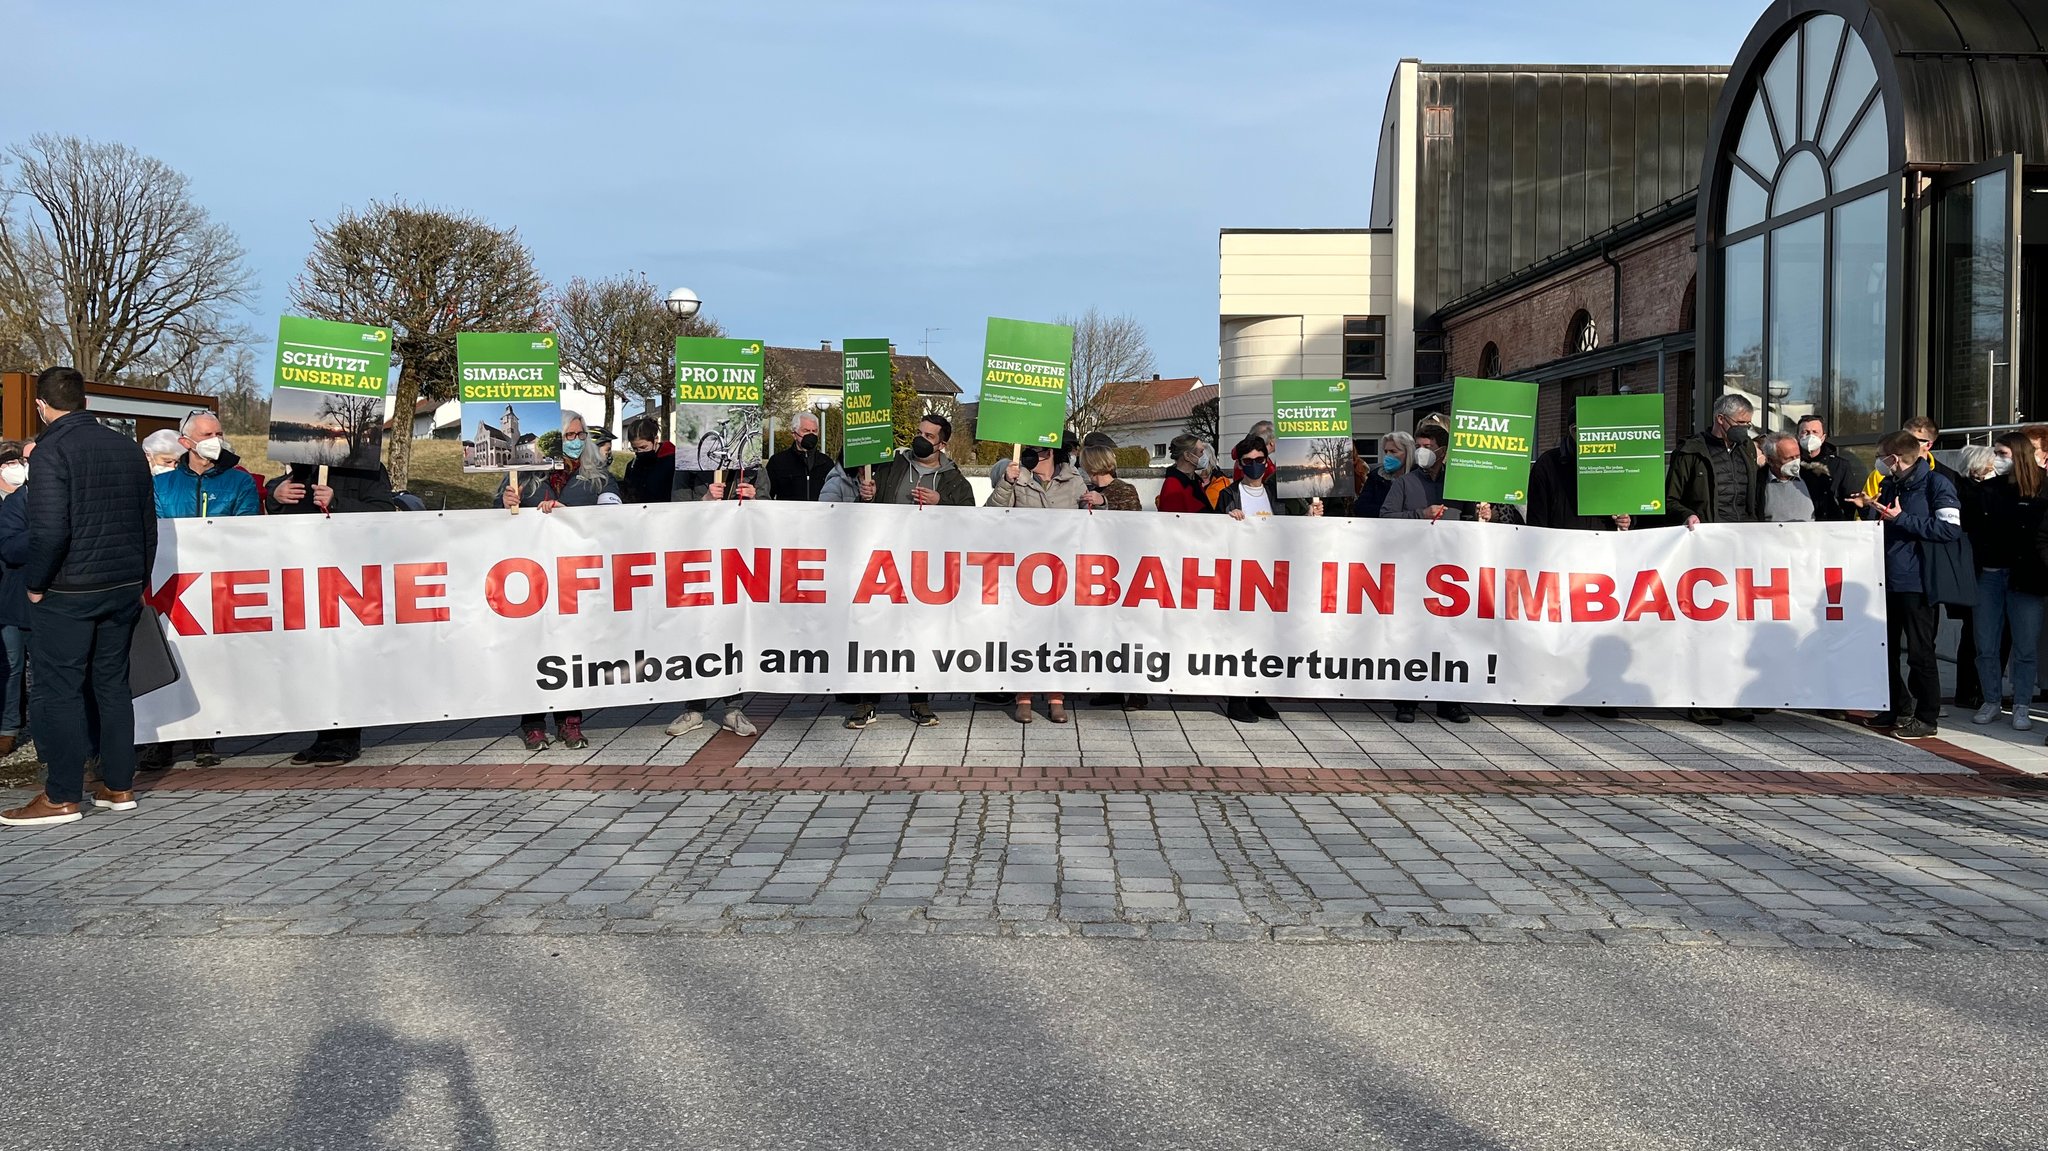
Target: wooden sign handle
(512, 485)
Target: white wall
(1282, 299)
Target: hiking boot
(922, 715)
(203, 754)
(535, 738)
(1240, 711)
(862, 716)
(1263, 710)
(1911, 728)
(40, 812)
(571, 731)
(106, 797)
(684, 724)
(1453, 713)
(736, 722)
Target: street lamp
(682, 303)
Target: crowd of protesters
(77, 544)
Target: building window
(1365, 347)
(1583, 335)
(1436, 122)
(1158, 451)
(1803, 251)
(1489, 362)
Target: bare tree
(426, 274)
(108, 246)
(1107, 350)
(1205, 420)
(657, 341)
(359, 418)
(604, 331)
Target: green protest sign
(1024, 382)
(718, 403)
(1493, 428)
(510, 385)
(327, 405)
(867, 401)
(1620, 455)
(329, 357)
(1312, 421)
(716, 370)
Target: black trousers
(80, 646)
(1967, 687)
(1910, 624)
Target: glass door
(1975, 314)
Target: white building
(1150, 413)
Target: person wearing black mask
(803, 472)
(1249, 497)
(922, 474)
(651, 473)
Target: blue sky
(813, 170)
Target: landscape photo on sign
(1313, 453)
(327, 396)
(1024, 382)
(510, 386)
(719, 422)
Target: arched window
(1489, 361)
(1583, 335)
(1805, 233)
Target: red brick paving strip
(1274, 780)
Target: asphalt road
(926, 1043)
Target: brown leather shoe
(104, 796)
(8, 743)
(40, 812)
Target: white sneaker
(686, 723)
(2021, 721)
(1987, 714)
(737, 723)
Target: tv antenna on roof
(928, 341)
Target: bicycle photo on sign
(710, 437)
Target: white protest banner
(300, 622)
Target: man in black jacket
(1831, 474)
(1554, 503)
(347, 490)
(1714, 476)
(92, 543)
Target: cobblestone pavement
(1175, 745)
(1811, 871)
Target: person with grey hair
(1713, 477)
(1396, 450)
(803, 472)
(163, 450)
(1786, 497)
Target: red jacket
(1178, 492)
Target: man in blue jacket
(1918, 507)
(92, 542)
(207, 482)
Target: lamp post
(682, 306)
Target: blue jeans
(16, 640)
(1998, 606)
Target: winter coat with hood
(584, 486)
(355, 490)
(91, 510)
(1701, 469)
(223, 489)
(896, 479)
(1063, 490)
(1929, 512)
